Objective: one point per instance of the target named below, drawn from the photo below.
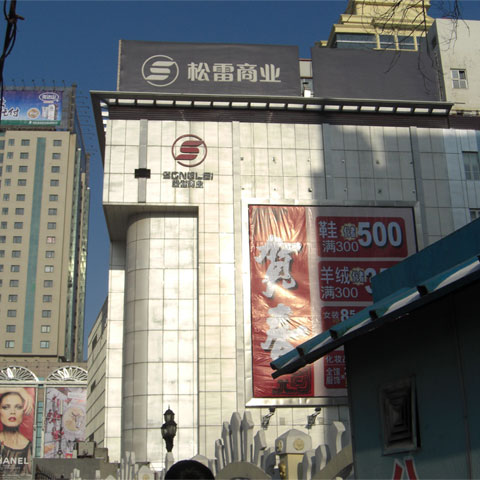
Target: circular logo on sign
(189, 150)
(160, 70)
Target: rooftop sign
(208, 68)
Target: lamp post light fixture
(169, 429)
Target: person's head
(189, 469)
(11, 410)
(14, 404)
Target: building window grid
(471, 163)
(44, 344)
(9, 343)
(459, 78)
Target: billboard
(32, 107)
(65, 420)
(208, 68)
(17, 414)
(310, 268)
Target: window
(6, 197)
(3, 238)
(21, 182)
(11, 142)
(55, 169)
(459, 78)
(52, 211)
(18, 225)
(15, 268)
(9, 343)
(1, 268)
(2, 253)
(23, 168)
(47, 298)
(57, 143)
(55, 156)
(48, 283)
(49, 254)
(48, 268)
(1, 157)
(398, 412)
(387, 41)
(52, 225)
(51, 239)
(8, 182)
(16, 253)
(13, 283)
(2, 144)
(46, 313)
(3, 225)
(19, 211)
(54, 183)
(4, 211)
(25, 142)
(472, 165)
(11, 328)
(44, 344)
(20, 197)
(13, 298)
(17, 239)
(406, 42)
(8, 168)
(53, 198)
(45, 329)
(11, 313)
(356, 40)
(9, 155)
(474, 213)
(23, 155)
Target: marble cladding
(250, 162)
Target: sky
(76, 42)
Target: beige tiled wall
(251, 162)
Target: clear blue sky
(77, 42)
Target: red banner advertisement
(17, 414)
(280, 296)
(310, 268)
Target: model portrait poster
(17, 414)
(310, 268)
(65, 420)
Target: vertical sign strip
(33, 246)
(280, 297)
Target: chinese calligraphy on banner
(310, 269)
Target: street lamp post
(169, 429)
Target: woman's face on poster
(11, 410)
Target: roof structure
(393, 307)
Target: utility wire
(10, 36)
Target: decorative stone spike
(219, 455)
(227, 442)
(235, 425)
(322, 457)
(308, 464)
(260, 444)
(336, 437)
(247, 437)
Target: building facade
(214, 200)
(44, 205)
(388, 25)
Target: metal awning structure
(103, 101)
(389, 309)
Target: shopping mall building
(250, 197)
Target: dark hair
(189, 469)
